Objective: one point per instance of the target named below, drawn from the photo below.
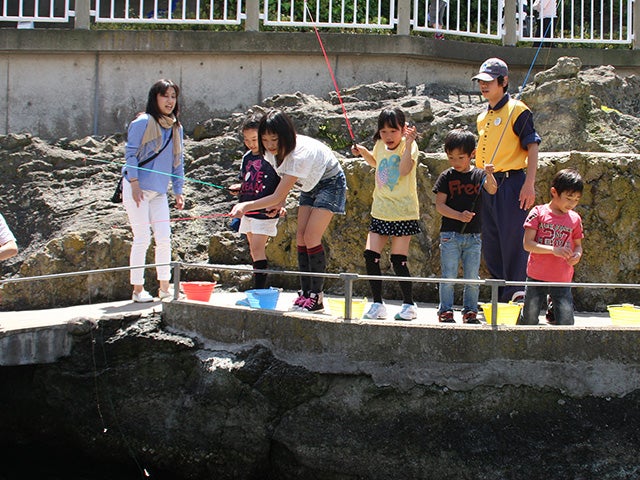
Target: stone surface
(56, 193)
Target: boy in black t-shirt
(458, 194)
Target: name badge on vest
(497, 121)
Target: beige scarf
(153, 136)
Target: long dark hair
(276, 122)
(393, 117)
(161, 87)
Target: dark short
(400, 228)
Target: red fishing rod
(333, 77)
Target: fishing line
(143, 471)
(333, 77)
(516, 97)
(95, 383)
(188, 179)
(185, 219)
(177, 219)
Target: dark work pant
(502, 232)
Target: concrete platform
(427, 313)
(43, 336)
(591, 357)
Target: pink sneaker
(299, 302)
(314, 303)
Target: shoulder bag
(117, 195)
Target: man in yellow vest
(508, 140)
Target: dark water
(26, 463)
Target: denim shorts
(329, 194)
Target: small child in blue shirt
(458, 194)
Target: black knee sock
(317, 263)
(303, 266)
(372, 263)
(400, 268)
(260, 279)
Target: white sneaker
(162, 295)
(142, 297)
(518, 297)
(377, 311)
(407, 312)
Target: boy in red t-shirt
(553, 237)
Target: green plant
(338, 141)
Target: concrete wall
(73, 83)
(577, 361)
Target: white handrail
(572, 21)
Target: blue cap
(492, 69)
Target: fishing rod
(186, 219)
(516, 97)
(176, 219)
(333, 77)
(188, 179)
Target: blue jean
(455, 248)
(329, 194)
(536, 297)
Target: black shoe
(446, 317)
(470, 317)
(550, 316)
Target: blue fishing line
(188, 179)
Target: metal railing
(50, 11)
(468, 18)
(601, 22)
(203, 12)
(347, 278)
(330, 14)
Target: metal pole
(495, 284)
(176, 280)
(348, 292)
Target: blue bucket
(266, 298)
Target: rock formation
(134, 399)
(57, 194)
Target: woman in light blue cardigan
(157, 135)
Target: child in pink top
(553, 237)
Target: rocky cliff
(135, 400)
(56, 194)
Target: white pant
(153, 212)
